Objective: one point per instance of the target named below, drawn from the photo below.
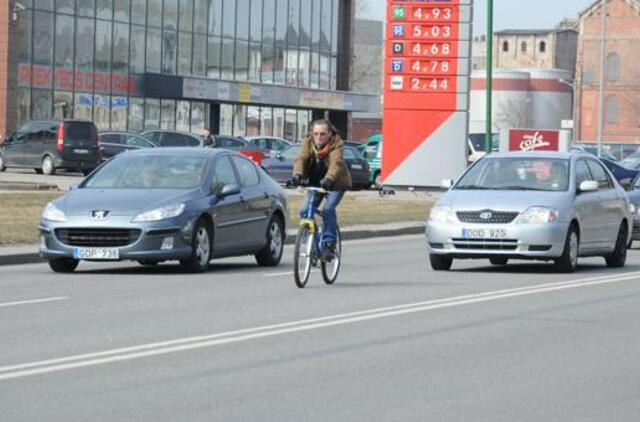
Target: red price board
(426, 74)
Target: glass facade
(82, 58)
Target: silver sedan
(532, 205)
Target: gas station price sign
(427, 56)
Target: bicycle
(308, 249)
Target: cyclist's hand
(326, 183)
(295, 180)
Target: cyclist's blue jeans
(329, 217)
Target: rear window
(79, 131)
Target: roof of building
(532, 31)
(591, 9)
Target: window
(505, 46)
(43, 38)
(120, 48)
(523, 47)
(186, 15)
(587, 77)
(582, 173)
(229, 18)
(213, 57)
(121, 10)
(613, 67)
(612, 109)
(184, 53)
(543, 46)
(137, 141)
(138, 11)
(65, 6)
(247, 172)
(169, 52)
(64, 42)
(103, 46)
(256, 21)
(153, 50)
(348, 154)
(199, 55)
(168, 114)
(599, 175)
(223, 173)
(170, 14)
(104, 9)
(137, 49)
(200, 16)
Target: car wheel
(48, 167)
(568, 261)
(618, 257)
(201, 243)
(440, 262)
(499, 261)
(3, 166)
(271, 254)
(63, 265)
(377, 181)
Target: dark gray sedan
(186, 204)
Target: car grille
(97, 237)
(486, 244)
(496, 217)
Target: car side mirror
(226, 190)
(279, 156)
(446, 184)
(588, 186)
(73, 186)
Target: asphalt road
(391, 341)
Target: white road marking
(290, 272)
(198, 342)
(33, 301)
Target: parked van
(49, 145)
(371, 149)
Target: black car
(113, 143)
(280, 167)
(49, 145)
(173, 138)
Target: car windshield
(149, 172)
(545, 174)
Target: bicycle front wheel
(302, 256)
(331, 268)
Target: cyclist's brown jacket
(337, 171)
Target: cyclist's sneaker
(328, 251)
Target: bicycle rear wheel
(302, 256)
(331, 268)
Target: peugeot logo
(99, 215)
(486, 215)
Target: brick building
(621, 117)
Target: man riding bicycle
(321, 162)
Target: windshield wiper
(516, 187)
(472, 187)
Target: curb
(34, 258)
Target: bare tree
(362, 8)
(514, 114)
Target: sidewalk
(28, 254)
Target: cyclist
(321, 162)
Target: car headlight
(158, 214)
(53, 213)
(442, 214)
(538, 215)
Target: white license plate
(96, 253)
(484, 233)
(81, 151)
(356, 166)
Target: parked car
(183, 204)
(633, 192)
(623, 175)
(531, 205)
(477, 146)
(173, 138)
(269, 145)
(49, 145)
(280, 167)
(593, 150)
(114, 143)
(632, 161)
(239, 145)
(371, 150)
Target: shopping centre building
(238, 66)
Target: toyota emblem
(486, 215)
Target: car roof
(182, 151)
(538, 154)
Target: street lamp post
(488, 140)
(573, 106)
(603, 35)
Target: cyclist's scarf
(323, 152)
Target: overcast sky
(510, 14)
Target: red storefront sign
(534, 140)
(100, 82)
